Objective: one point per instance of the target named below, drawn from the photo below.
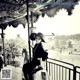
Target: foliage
(64, 42)
(15, 44)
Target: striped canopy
(14, 12)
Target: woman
(38, 50)
(39, 55)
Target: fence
(60, 70)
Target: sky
(60, 24)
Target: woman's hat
(41, 36)
(33, 36)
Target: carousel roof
(14, 12)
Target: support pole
(27, 1)
(32, 19)
(74, 73)
(2, 36)
(32, 28)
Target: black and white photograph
(39, 39)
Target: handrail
(61, 61)
(78, 66)
(70, 71)
(59, 65)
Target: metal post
(32, 19)
(46, 66)
(2, 36)
(27, 1)
(74, 72)
(32, 27)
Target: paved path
(16, 71)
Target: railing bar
(77, 72)
(61, 61)
(49, 68)
(65, 73)
(59, 73)
(79, 76)
(55, 63)
(46, 66)
(60, 65)
(54, 71)
(62, 73)
(74, 73)
(78, 66)
(69, 74)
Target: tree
(60, 44)
(15, 44)
(70, 45)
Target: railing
(77, 73)
(60, 70)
